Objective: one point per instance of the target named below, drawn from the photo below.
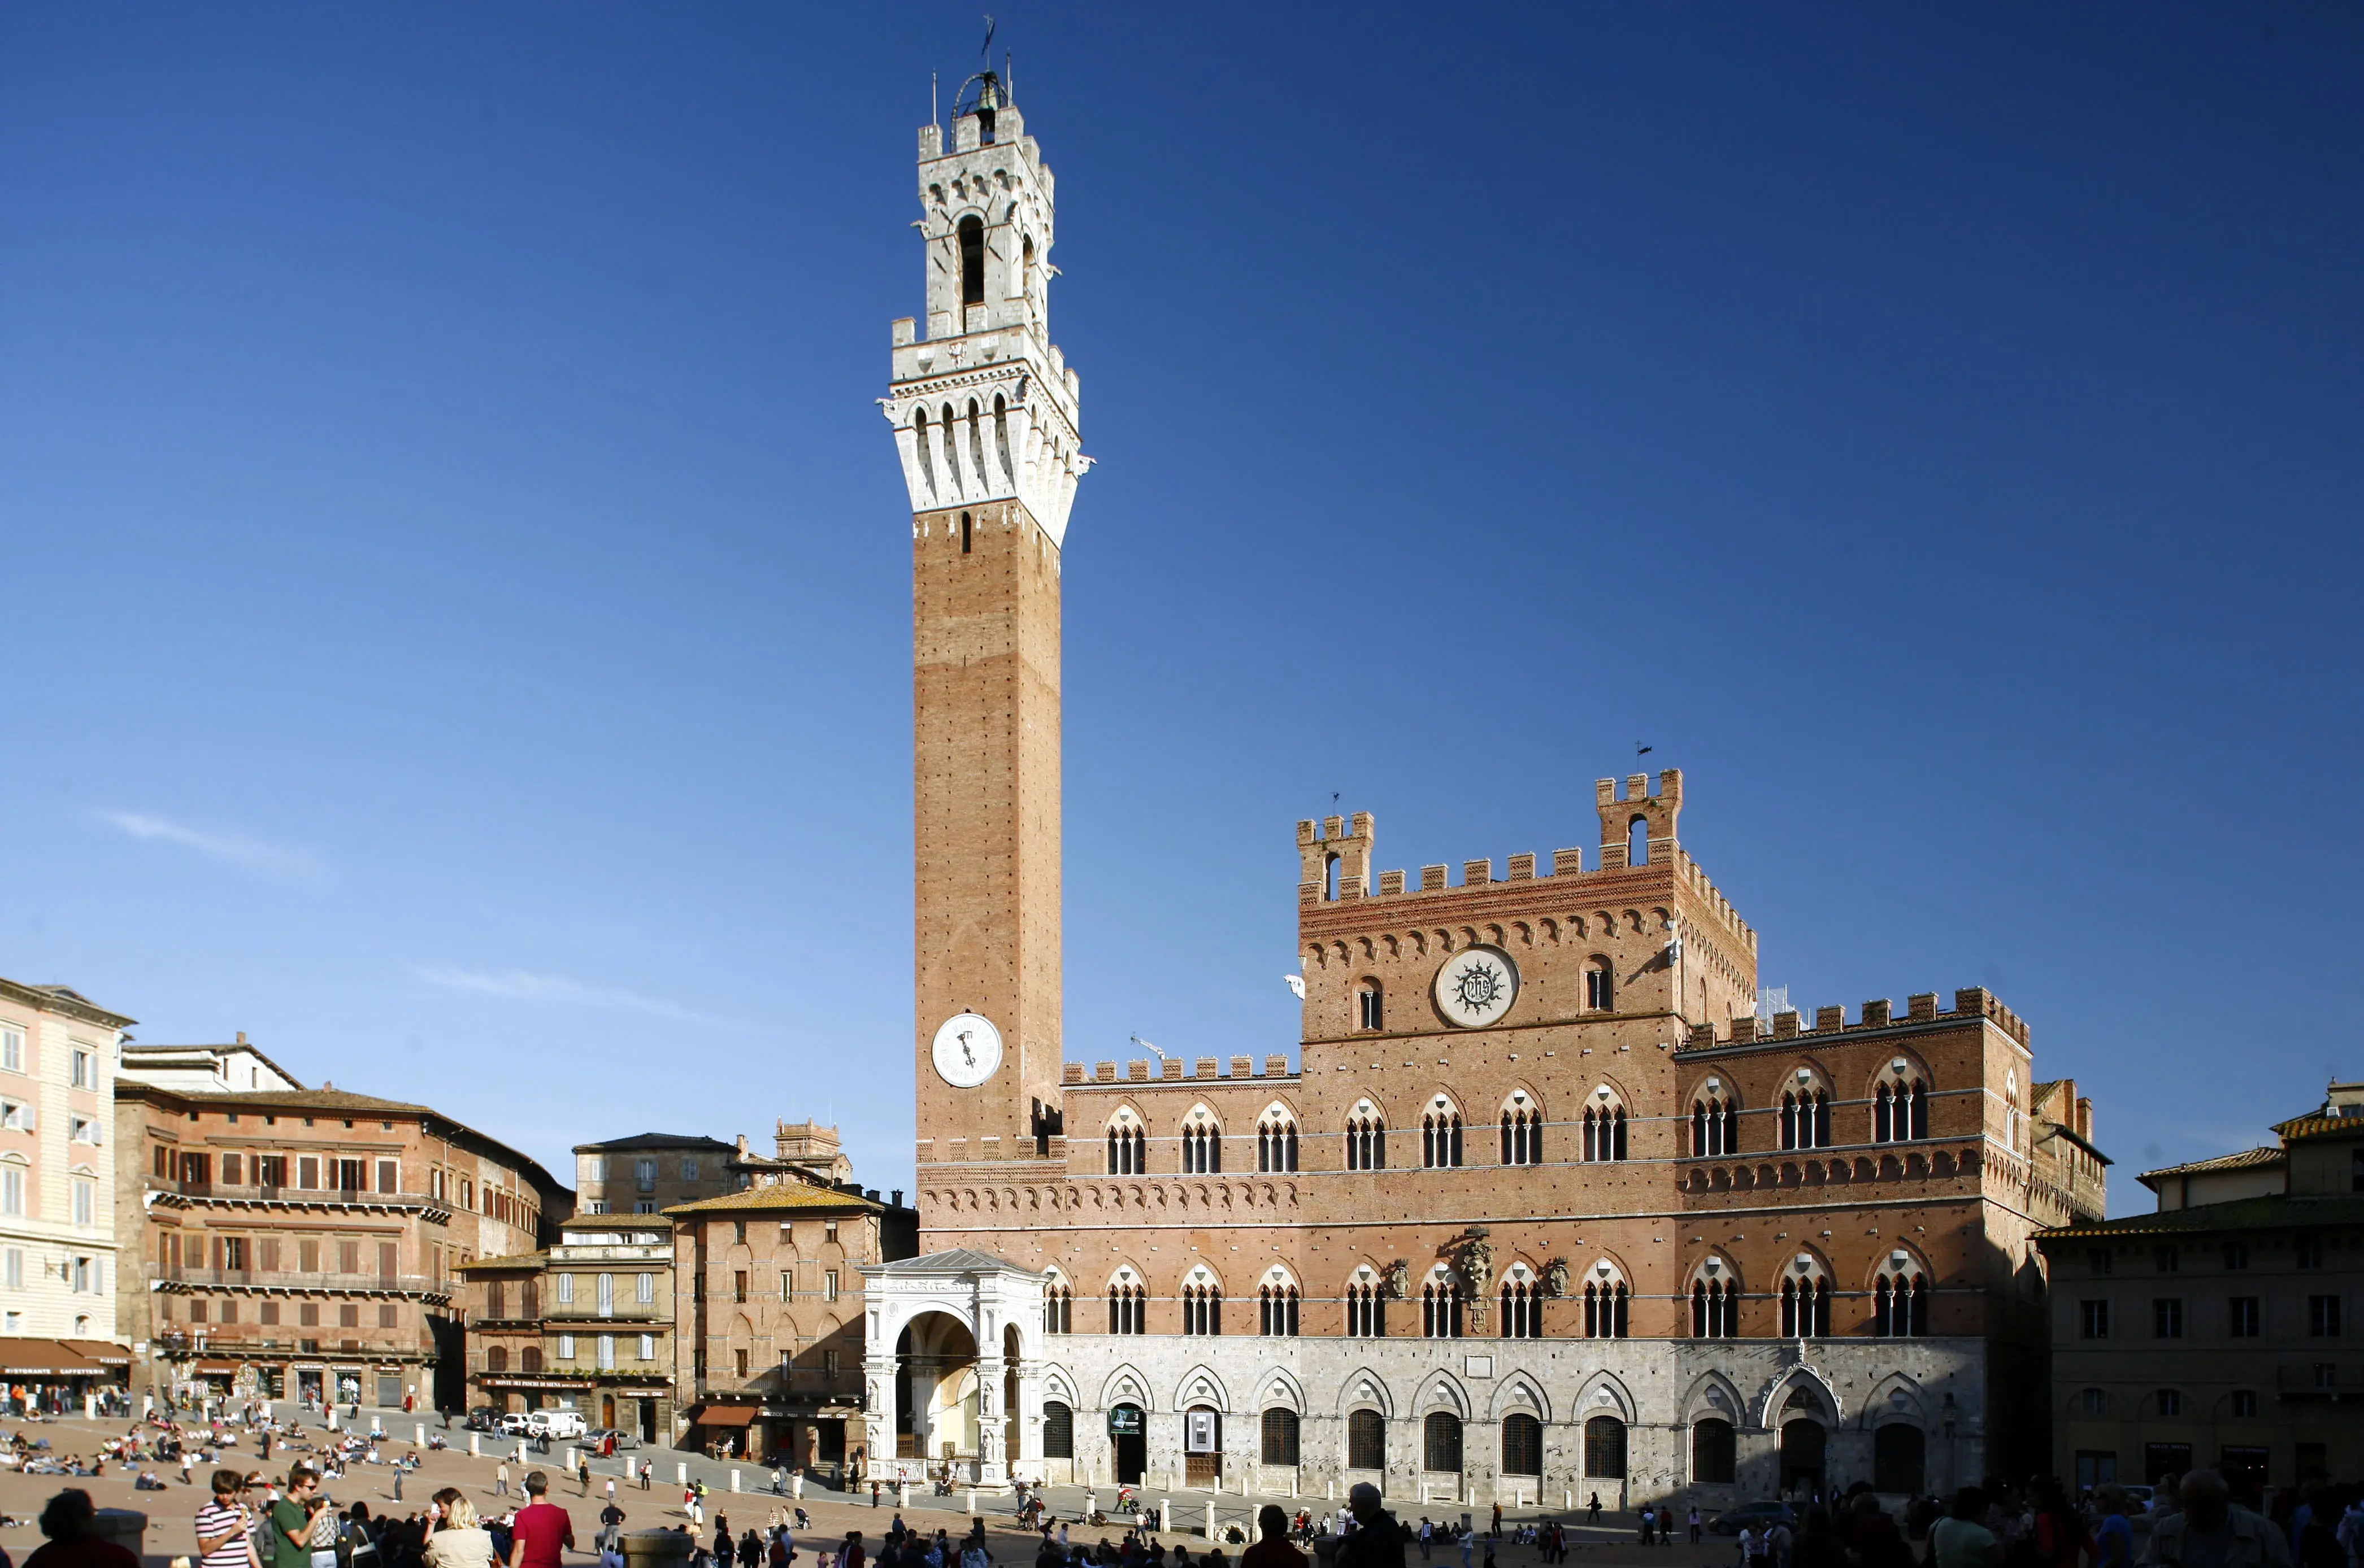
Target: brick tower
(983, 407)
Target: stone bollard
(1210, 1522)
(1165, 1515)
(735, 1481)
(797, 1486)
(126, 1527)
(419, 1435)
(681, 1472)
(657, 1548)
(569, 1457)
(475, 1445)
(903, 1493)
(972, 1502)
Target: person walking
(1592, 1510)
(1693, 1520)
(501, 1480)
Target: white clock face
(1476, 986)
(968, 1047)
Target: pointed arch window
(1599, 986)
(1604, 1126)
(1714, 1130)
(1128, 1308)
(1605, 1308)
(1440, 1308)
(1367, 1140)
(1899, 1109)
(1366, 1311)
(1715, 1303)
(1522, 1309)
(1370, 1006)
(1202, 1308)
(1440, 1135)
(1899, 1302)
(1202, 1145)
(1522, 1131)
(972, 259)
(1128, 1149)
(1805, 1118)
(1058, 1308)
(1806, 1305)
(1277, 1141)
(1276, 1310)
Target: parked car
(483, 1419)
(515, 1424)
(598, 1438)
(1756, 1515)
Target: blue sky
(456, 605)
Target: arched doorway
(1803, 1440)
(1129, 1442)
(936, 1394)
(1898, 1456)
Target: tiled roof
(2277, 1212)
(2247, 1158)
(657, 1140)
(2315, 1124)
(779, 1195)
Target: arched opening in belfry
(936, 1390)
(972, 259)
(1330, 878)
(1637, 842)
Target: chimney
(242, 1037)
(899, 1197)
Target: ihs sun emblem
(1478, 986)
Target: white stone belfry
(984, 406)
(937, 1298)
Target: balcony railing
(2328, 1377)
(256, 1193)
(303, 1282)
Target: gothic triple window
(1277, 1141)
(1805, 1115)
(1440, 1134)
(1523, 1131)
(1714, 1127)
(1202, 1307)
(1715, 1303)
(1202, 1144)
(1805, 1301)
(1127, 1145)
(1900, 1107)
(1366, 1139)
(1128, 1306)
(1899, 1302)
(1058, 1307)
(1522, 1308)
(1365, 1311)
(1604, 1126)
(1440, 1307)
(1605, 1308)
(1276, 1307)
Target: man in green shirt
(1961, 1542)
(291, 1519)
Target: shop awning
(105, 1352)
(44, 1358)
(726, 1415)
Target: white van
(555, 1424)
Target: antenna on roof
(935, 115)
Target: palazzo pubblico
(1543, 1209)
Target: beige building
(291, 1242)
(770, 1357)
(650, 1171)
(585, 1325)
(2221, 1330)
(57, 1059)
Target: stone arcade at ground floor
(1443, 1420)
